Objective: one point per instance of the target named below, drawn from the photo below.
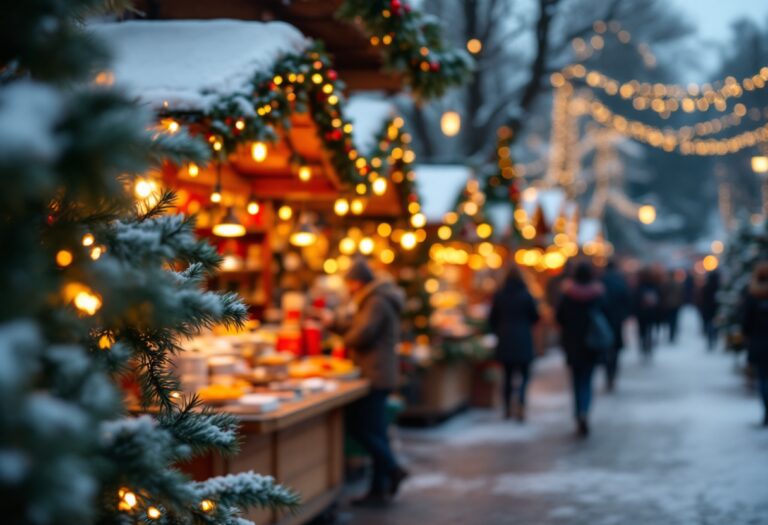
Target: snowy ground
(677, 444)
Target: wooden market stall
(268, 105)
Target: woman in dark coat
(755, 329)
(647, 302)
(708, 307)
(513, 314)
(582, 297)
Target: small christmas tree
(97, 288)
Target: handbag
(600, 337)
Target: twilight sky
(713, 17)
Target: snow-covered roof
(439, 187)
(500, 215)
(189, 63)
(589, 230)
(551, 202)
(369, 113)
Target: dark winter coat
(573, 317)
(755, 328)
(647, 303)
(374, 333)
(513, 314)
(708, 304)
(618, 299)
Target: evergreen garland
(95, 289)
(411, 43)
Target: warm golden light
(528, 232)
(216, 197)
(64, 258)
(285, 213)
(259, 151)
(384, 229)
(717, 247)
(484, 230)
(88, 239)
(646, 214)
(444, 232)
(193, 170)
(387, 256)
(347, 246)
(207, 505)
(330, 266)
(710, 263)
(341, 207)
(252, 207)
(357, 206)
(303, 238)
(474, 46)
(366, 246)
(379, 186)
(87, 302)
(450, 123)
(96, 252)
(760, 164)
(408, 241)
(128, 500)
(418, 220)
(144, 188)
(432, 285)
(229, 226)
(305, 173)
(554, 260)
(153, 513)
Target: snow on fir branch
(246, 489)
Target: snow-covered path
(677, 444)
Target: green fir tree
(96, 288)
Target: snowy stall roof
(189, 63)
(439, 187)
(551, 202)
(589, 230)
(369, 113)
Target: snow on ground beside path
(677, 444)
(190, 63)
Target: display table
(300, 445)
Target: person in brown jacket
(371, 337)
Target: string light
(285, 213)
(128, 500)
(379, 186)
(474, 46)
(341, 207)
(305, 173)
(408, 241)
(419, 220)
(450, 123)
(153, 513)
(259, 151)
(88, 239)
(64, 258)
(366, 246)
(193, 169)
(207, 505)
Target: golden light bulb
(474, 46)
(216, 197)
(710, 263)
(408, 241)
(143, 188)
(646, 214)
(207, 505)
(305, 173)
(153, 513)
(253, 208)
(484, 230)
(384, 229)
(379, 186)
(760, 164)
(64, 258)
(128, 500)
(105, 342)
(341, 207)
(88, 239)
(96, 252)
(193, 169)
(87, 302)
(444, 232)
(330, 266)
(366, 246)
(387, 256)
(418, 220)
(259, 151)
(450, 123)
(357, 206)
(285, 213)
(347, 246)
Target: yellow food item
(276, 359)
(219, 393)
(321, 366)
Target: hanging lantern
(305, 235)
(229, 226)
(253, 206)
(450, 123)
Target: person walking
(371, 337)
(582, 310)
(646, 304)
(512, 316)
(708, 307)
(755, 329)
(672, 300)
(619, 301)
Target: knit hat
(360, 271)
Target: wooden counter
(438, 391)
(301, 445)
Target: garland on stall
(747, 247)
(298, 83)
(412, 44)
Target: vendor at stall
(371, 334)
